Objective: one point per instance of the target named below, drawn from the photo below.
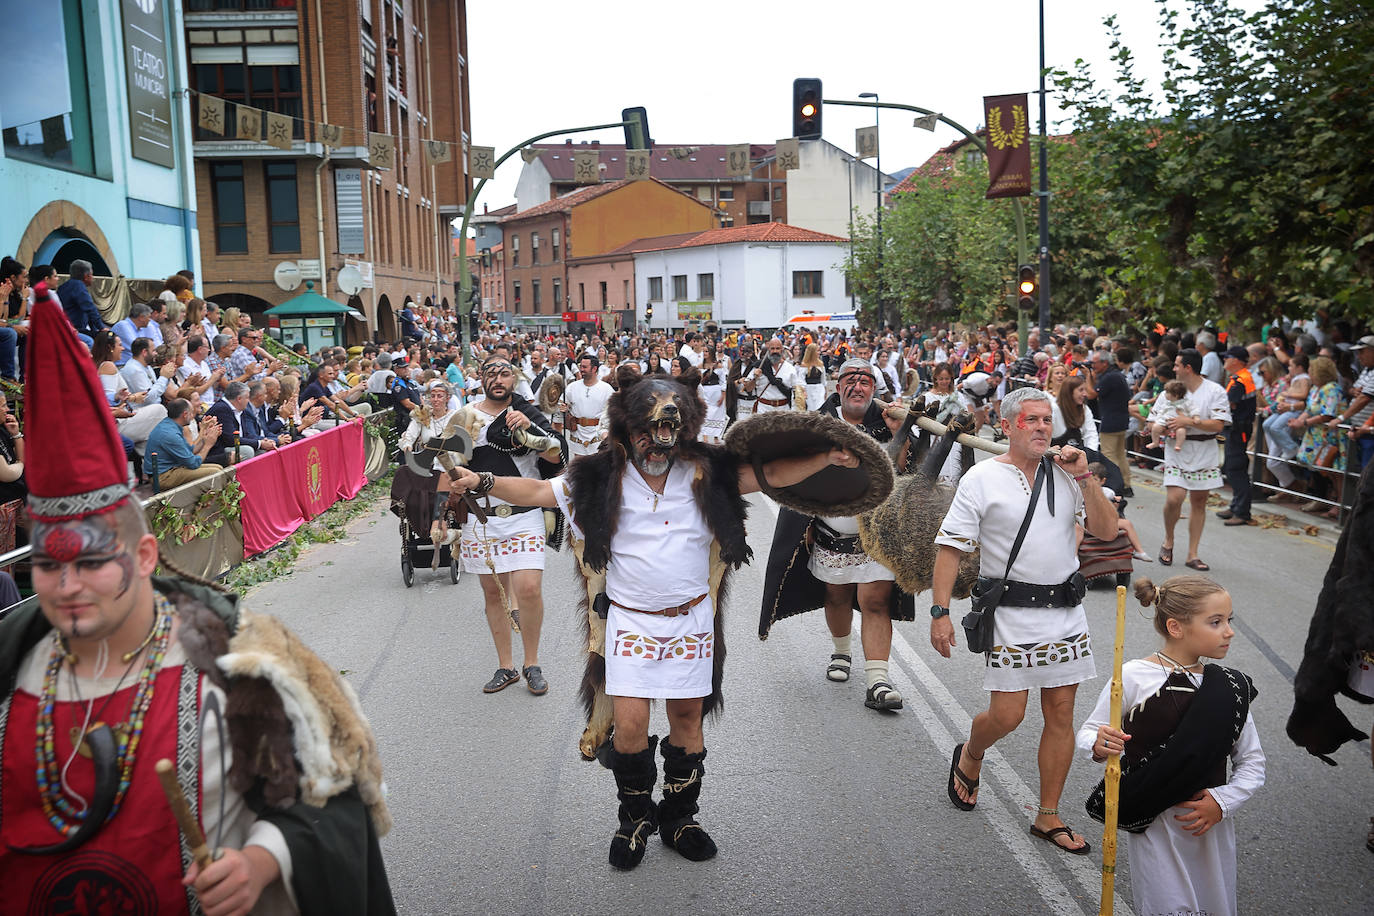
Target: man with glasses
(510, 543)
(249, 362)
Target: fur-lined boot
(635, 775)
(678, 826)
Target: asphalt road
(818, 804)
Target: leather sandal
(1166, 556)
(883, 696)
(1049, 837)
(502, 679)
(838, 670)
(970, 785)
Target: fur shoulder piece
(320, 735)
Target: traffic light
(637, 128)
(806, 109)
(1027, 288)
(649, 313)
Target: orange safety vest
(1247, 380)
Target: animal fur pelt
(1342, 626)
(900, 533)
(596, 492)
(832, 491)
(295, 726)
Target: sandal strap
(835, 657)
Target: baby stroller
(412, 501)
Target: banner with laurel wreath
(1009, 158)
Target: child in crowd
(1176, 404)
(1181, 721)
(1123, 525)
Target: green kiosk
(311, 319)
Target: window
(515, 295)
(534, 291)
(655, 289)
(604, 300)
(706, 286)
(806, 283)
(727, 193)
(266, 76)
(680, 287)
(44, 111)
(704, 192)
(515, 252)
(283, 212)
(534, 247)
(555, 244)
(777, 193)
(627, 293)
(582, 296)
(557, 294)
(231, 223)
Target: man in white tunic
(586, 415)
(511, 540)
(775, 379)
(1041, 630)
(1194, 469)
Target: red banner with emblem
(285, 488)
(1009, 161)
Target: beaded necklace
(64, 817)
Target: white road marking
(1012, 830)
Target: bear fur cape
(304, 756)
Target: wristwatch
(937, 611)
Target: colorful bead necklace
(64, 817)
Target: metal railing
(7, 560)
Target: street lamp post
(849, 166)
(877, 110)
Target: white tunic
(845, 568)
(1032, 647)
(1173, 871)
(1197, 465)
(660, 557)
(515, 542)
(786, 375)
(714, 395)
(586, 402)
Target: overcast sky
(712, 71)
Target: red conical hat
(75, 460)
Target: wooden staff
(190, 828)
(1113, 764)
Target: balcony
(760, 208)
(238, 6)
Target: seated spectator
(248, 362)
(13, 284)
(136, 325)
(79, 304)
(318, 390)
(210, 323)
(139, 375)
(258, 422)
(197, 372)
(133, 414)
(12, 484)
(1322, 448)
(353, 397)
(178, 286)
(229, 412)
(171, 456)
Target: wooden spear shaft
(1113, 764)
(176, 800)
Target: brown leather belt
(774, 402)
(587, 421)
(668, 611)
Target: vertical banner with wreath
(1009, 159)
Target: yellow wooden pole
(1113, 763)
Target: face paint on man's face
(82, 545)
(1021, 421)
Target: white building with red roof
(758, 276)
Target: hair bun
(1145, 591)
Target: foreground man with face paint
(110, 674)
(656, 524)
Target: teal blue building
(96, 159)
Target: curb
(1272, 517)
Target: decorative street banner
(210, 114)
(381, 150)
(278, 130)
(737, 160)
(1009, 160)
(695, 311)
(331, 135)
(286, 487)
(146, 68)
(587, 167)
(529, 153)
(789, 154)
(926, 122)
(637, 164)
(866, 142)
(250, 122)
(436, 151)
(482, 162)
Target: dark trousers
(1236, 469)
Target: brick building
(539, 243)
(388, 66)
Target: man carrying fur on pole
(108, 676)
(656, 523)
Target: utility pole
(1044, 195)
(877, 109)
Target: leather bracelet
(485, 481)
(1084, 476)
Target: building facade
(384, 66)
(759, 276)
(96, 146)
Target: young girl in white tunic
(1185, 860)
